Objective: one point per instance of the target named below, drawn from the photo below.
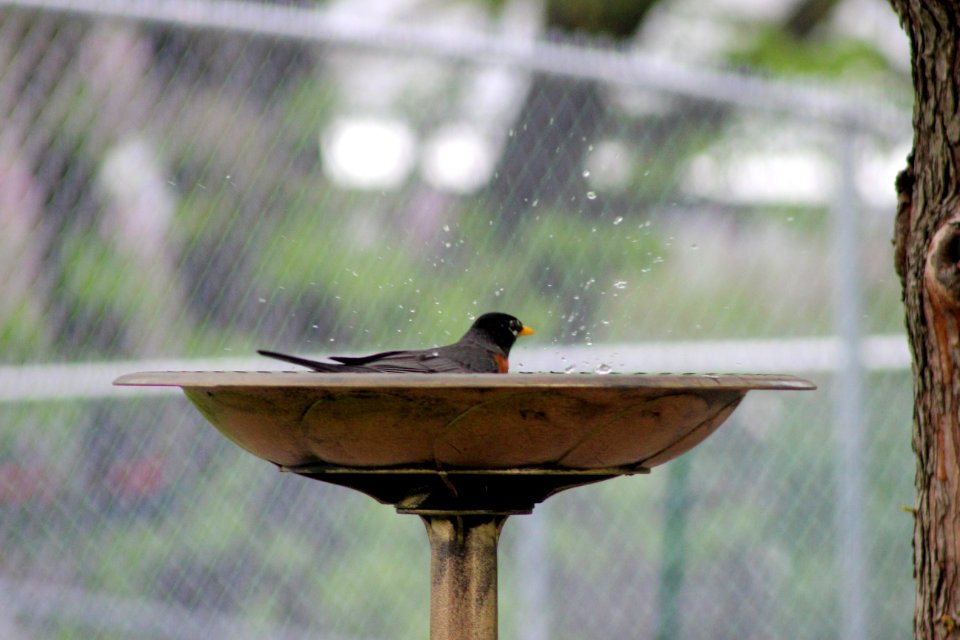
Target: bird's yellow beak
(526, 331)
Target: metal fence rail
(76, 380)
(322, 26)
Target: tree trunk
(543, 160)
(927, 258)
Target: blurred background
(656, 185)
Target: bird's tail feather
(303, 362)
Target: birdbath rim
(310, 379)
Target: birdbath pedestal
(464, 452)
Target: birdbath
(464, 451)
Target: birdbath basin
(464, 452)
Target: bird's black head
(499, 328)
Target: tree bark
(543, 160)
(927, 259)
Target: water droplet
(694, 246)
(570, 368)
(620, 284)
(591, 195)
(262, 300)
(603, 369)
(446, 227)
(586, 174)
(617, 220)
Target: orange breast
(503, 365)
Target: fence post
(848, 399)
(673, 555)
(533, 578)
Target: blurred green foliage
(778, 52)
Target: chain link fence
(192, 181)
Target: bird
(484, 348)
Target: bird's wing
(437, 360)
(449, 359)
(426, 361)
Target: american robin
(484, 348)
